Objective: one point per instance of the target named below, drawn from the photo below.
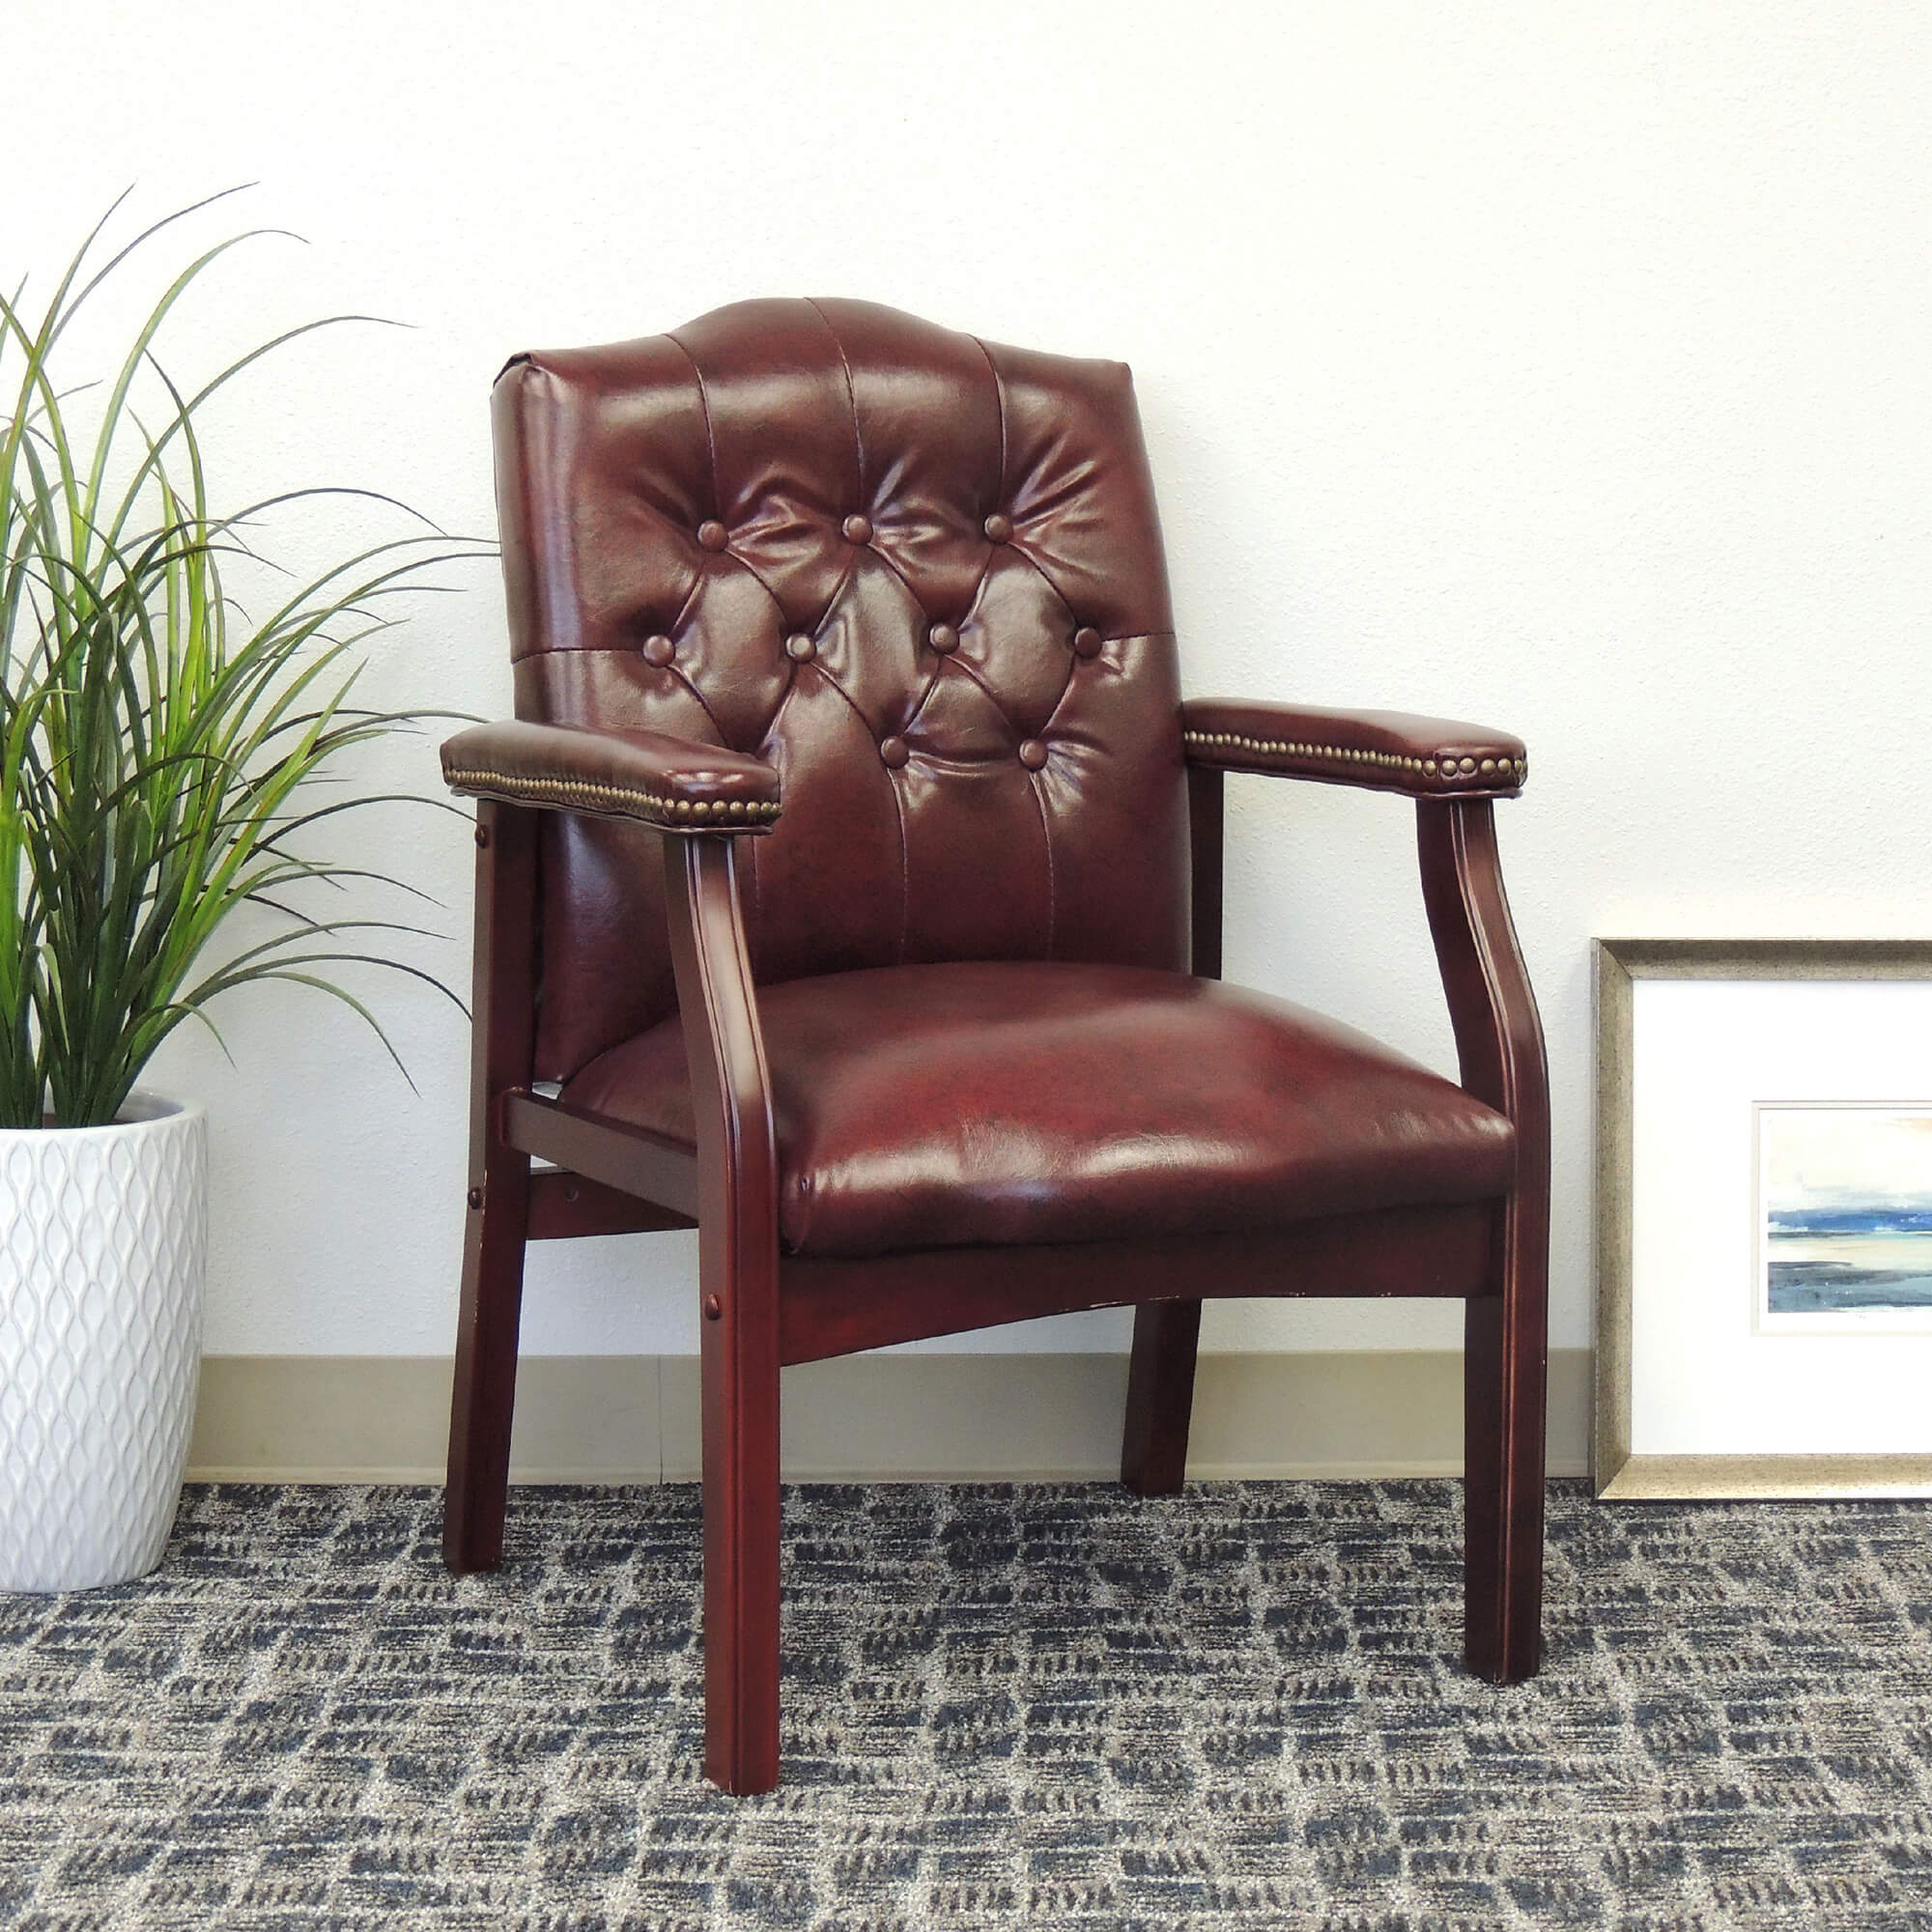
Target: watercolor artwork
(1844, 1217)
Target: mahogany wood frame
(762, 1311)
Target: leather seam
(1000, 404)
(691, 591)
(703, 704)
(905, 861)
(986, 691)
(851, 391)
(926, 695)
(759, 578)
(866, 724)
(672, 670)
(979, 596)
(879, 550)
(704, 405)
(839, 591)
(972, 612)
(678, 814)
(1067, 685)
(844, 696)
(1047, 846)
(1038, 569)
(770, 730)
(852, 570)
(1448, 768)
(699, 573)
(1012, 543)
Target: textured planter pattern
(102, 1253)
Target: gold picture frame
(1619, 1471)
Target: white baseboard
(878, 1418)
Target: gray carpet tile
(1006, 1706)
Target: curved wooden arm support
(1499, 1044)
(1498, 1034)
(1382, 751)
(738, 1289)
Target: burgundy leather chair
(853, 866)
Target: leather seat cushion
(987, 1102)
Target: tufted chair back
(920, 574)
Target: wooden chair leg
(740, 1537)
(1161, 1397)
(1500, 1047)
(1505, 1369)
(501, 1026)
(738, 1288)
(484, 1396)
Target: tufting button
(1032, 754)
(798, 645)
(858, 530)
(1086, 642)
(893, 752)
(659, 650)
(711, 534)
(943, 637)
(998, 528)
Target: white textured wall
(1567, 367)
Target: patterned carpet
(1034, 1706)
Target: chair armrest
(1384, 751)
(671, 783)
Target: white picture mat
(1703, 1051)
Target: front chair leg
(1500, 1045)
(1161, 1397)
(1504, 1369)
(741, 1530)
(738, 1288)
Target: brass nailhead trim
(675, 812)
(1455, 770)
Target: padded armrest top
(677, 785)
(1386, 751)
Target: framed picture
(1764, 1218)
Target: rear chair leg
(485, 1391)
(1167, 1334)
(1161, 1397)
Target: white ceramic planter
(102, 1254)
